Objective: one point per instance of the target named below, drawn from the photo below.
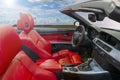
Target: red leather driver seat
(40, 46)
(21, 67)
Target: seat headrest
(10, 45)
(25, 22)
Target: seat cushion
(67, 57)
(22, 68)
(17, 71)
(49, 64)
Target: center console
(89, 70)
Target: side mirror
(92, 17)
(77, 23)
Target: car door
(60, 38)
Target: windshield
(45, 12)
(106, 23)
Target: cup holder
(73, 69)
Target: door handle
(66, 34)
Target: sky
(45, 12)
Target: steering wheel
(78, 36)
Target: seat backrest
(10, 45)
(39, 42)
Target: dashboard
(104, 36)
(106, 47)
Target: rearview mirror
(77, 23)
(92, 17)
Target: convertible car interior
(86, 52)
(32, 40)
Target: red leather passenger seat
(14, 63)
(42, 47)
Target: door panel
(59, 38)
(65, 37)
(55, 34)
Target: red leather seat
(14, 63)
(42, 47)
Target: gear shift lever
(86, 65)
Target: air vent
(103, 46)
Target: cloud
(41, 16)
(59, 3)
(63, 1)
(41, 13)
(41, 1)
(50, 16)
(10, 15)
(53, 21)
